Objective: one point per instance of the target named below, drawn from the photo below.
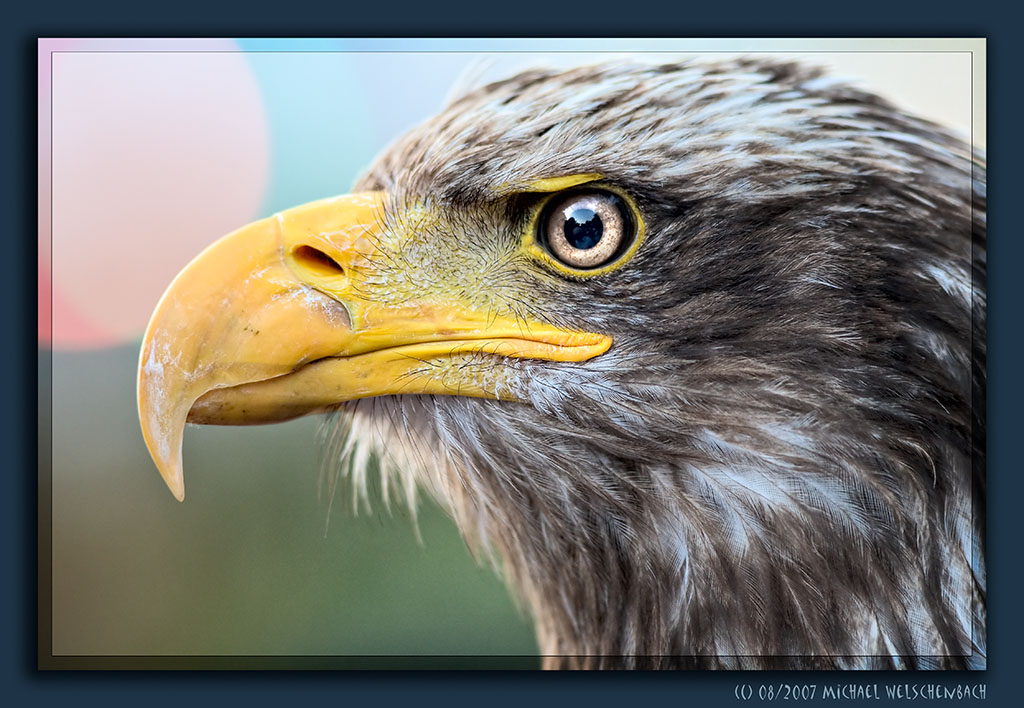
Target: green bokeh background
(248, 564)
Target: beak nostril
(316, 261)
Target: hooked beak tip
(177, 487)
(171, 472)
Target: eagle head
(695, 349)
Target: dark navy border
(23, 684)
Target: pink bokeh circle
(154, 156)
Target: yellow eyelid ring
(559, 184)
(538, 252)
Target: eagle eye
(586, 229)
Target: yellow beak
(272, 322)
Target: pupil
(583, 229)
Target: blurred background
(147, 155)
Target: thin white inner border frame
(46, 47)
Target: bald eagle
(697, 350)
